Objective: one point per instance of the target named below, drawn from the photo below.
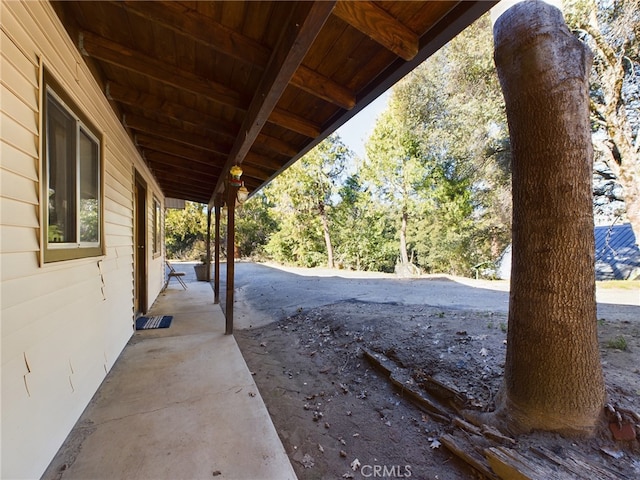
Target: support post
(207, 274)
(231, 214)
(216, 268)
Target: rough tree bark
(327, 236)
(553, 376)
(611, 112)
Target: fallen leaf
(321, 448)
(307, 461)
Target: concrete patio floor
(179, 403)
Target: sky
(355, 132)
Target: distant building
(617, 254)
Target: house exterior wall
(63, 324)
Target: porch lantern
(243, 194)
(236, 173)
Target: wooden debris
(460, 423)
(381, 363)
(468, 456)
(494, 434)
(509, 464)
(441, 390)
(435, 410)
(579, 466)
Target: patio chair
(173, 274)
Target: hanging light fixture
(236, 173)
(243, 194)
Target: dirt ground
(341, 417)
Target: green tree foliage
(303, 196)
(395, 166)
(254, 226)
(365, 235)
(440, 156)
(186, 231)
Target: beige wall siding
(63, 324)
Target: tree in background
(186, 231)
(612, 31)
(364, 233)
(440, 154)
(394, 166)
(303, 197)
(254, 226)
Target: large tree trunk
(404, 255)
(327, 236)
(611, 111)
(553, 376)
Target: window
(72, 182)
(156, 227)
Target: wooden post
(207, 274)
(231, 215)
(216, 268)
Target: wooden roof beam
(235, 45)
(166, 131)
(198, 118)
(307, 19)
(98, 47)
(201, 29)
(322, 87)
(189, 164)
(162, 106)
(295, 123)
(378, 25)
(197, 165)
(188, 153)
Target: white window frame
(60, 251)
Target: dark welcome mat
(161, 321)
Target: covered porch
(180, 402)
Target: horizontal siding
(70, 320)
(15, 108)
(19, 136)
(18, 188)
(17, 161)
(17, 240)
(18, 213)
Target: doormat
(161, 321)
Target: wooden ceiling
(202, 86)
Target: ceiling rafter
(169, 132)
(381, 27)
(135, 98)
(322, 87)
(121, 56)
(219, 37)
(203, 170)
(295, 123)
(229, 42)
(179, 150)
(307, 19)
(198, 118)
(151, 60)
